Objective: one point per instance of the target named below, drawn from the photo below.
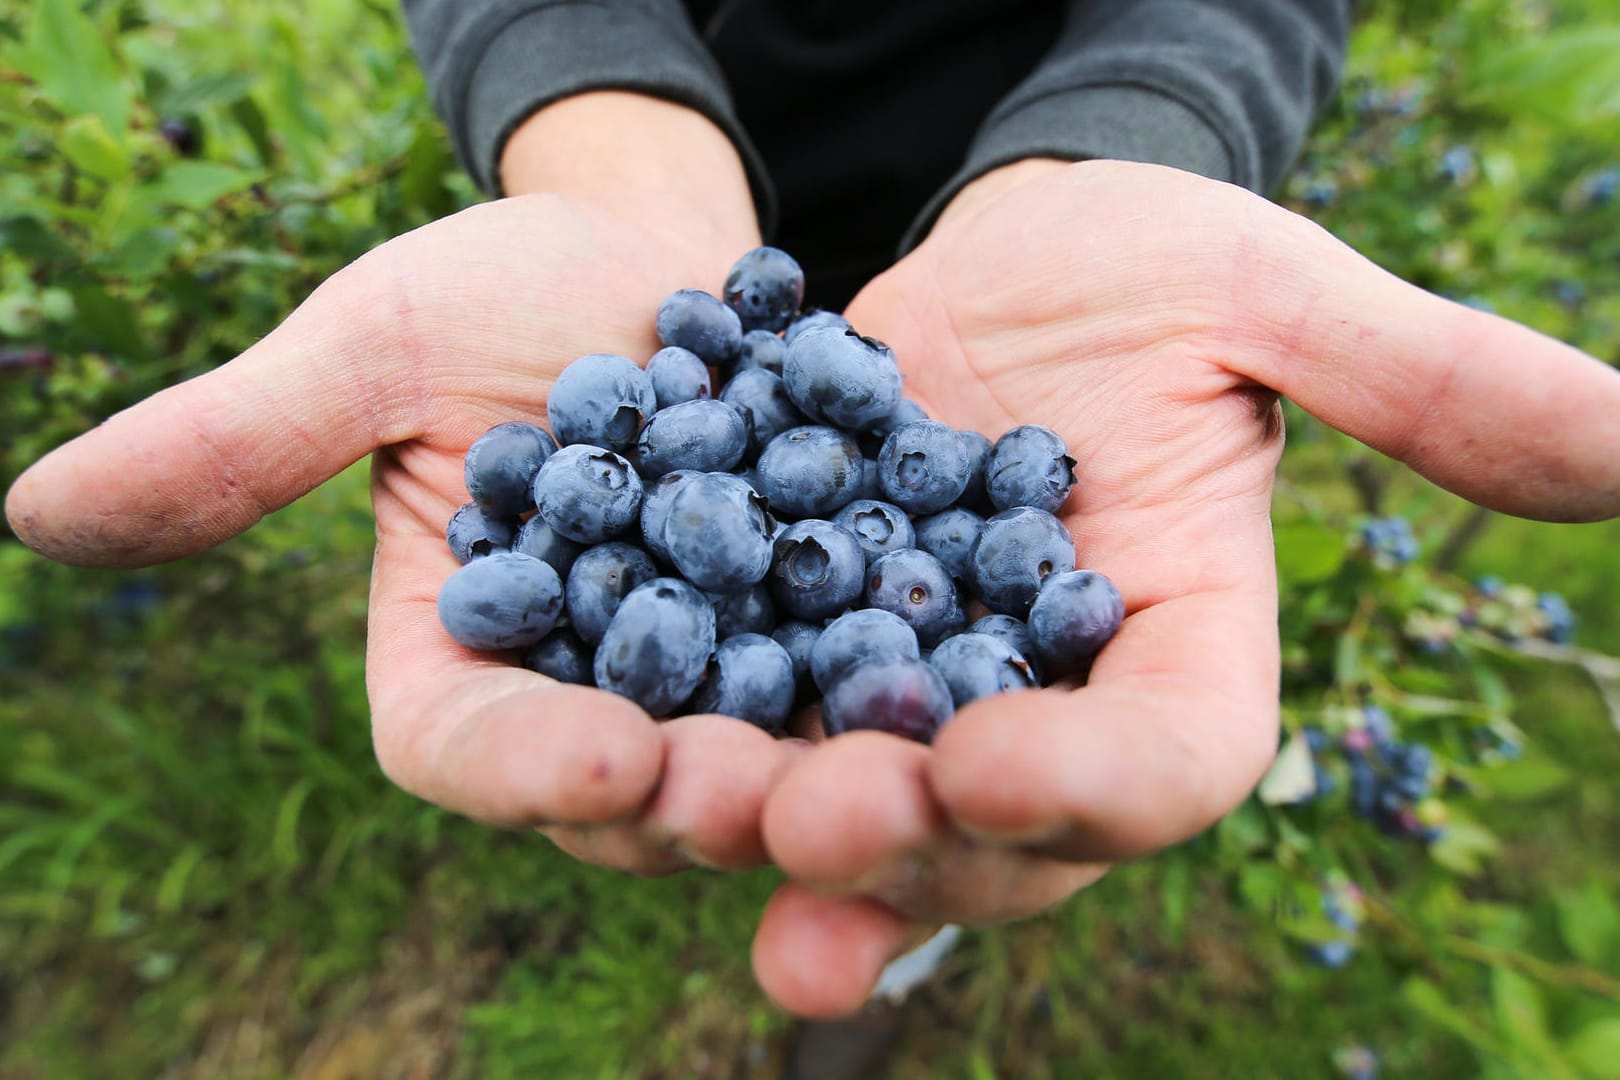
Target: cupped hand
(412, 353)
(1152, 318)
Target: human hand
(413, 352)
(1151, 317)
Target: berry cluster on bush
(758, 518)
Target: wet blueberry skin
(949, 536)
(501, 601)
(761, 349)
(709, 436)
(657, 647)
(880, 527)
(588, 494)
(799, 639)
(818, 569)
(978, 665)
(655, 503)
(501, 464)
(719, 533)
(765, 288)
(751, 678)
(841, 378)
(472, 532)
(600, 400)
(902, 697)
(1015, 632)
(923, 466)
(856, 638)
(750, 611)
(811, 320)
(1075, 615)
(915, 586)
(600, 580)
(1016, 551)
(977, 448)
(1029, 466)
(540, 540)
(562, 656)
(678, 375)
(765, 406)
(691, 319)
(810, 472)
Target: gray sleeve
(1227, 90)
(490, 64)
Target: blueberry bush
(202, 871)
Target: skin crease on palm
(1147, 315)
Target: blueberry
(655, 511)
(501, 465)
(1016, 551)
(540, 540)
(880, 527)
(1331, 954)
(761, 349)
(501, 601)
(923, 466)
(812, 320)
(748, 612)
(678, 375)
(978, 665)
(764, 404)
(587, 493)
(472, 533)
(902, 697)
(916, 586)
(751, 678)
(1015, 632)
(1074, 616)
(818, 569)
(718, 533)
(692, 319)
(949, 536)
(799, 639)
(810, 472)
(657, 647)
(600, 400)
(562, 656)
(870, 487)
(857, 638)
(1029, 466)
(182, 135)
(977, 448)
(708, 436)
(598, 583)
(839, 377)
(765, 288)
(907, 412)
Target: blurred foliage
(204, 873)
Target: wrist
(663, 165)
(994, 185)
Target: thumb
(1496, 412)
(201, 461)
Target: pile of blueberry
(1391, 782)
(805, 532)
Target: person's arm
(492, 65)
(1224, 90)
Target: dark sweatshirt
(857, 121)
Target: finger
(480, 736)
(1496, 412)
(203, 460)
(706, 810)
(819, 956)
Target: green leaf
(1519, 1008)
(1568, 77)
(86, 143)
(1429, 1002)
(1595, 1049)
(1464, 847)
(108, 324)
(197, 184)
(1307, 552)
(67, 56)
(1589, 923)
(251, 118)
(1526, 779)
(208, 92)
